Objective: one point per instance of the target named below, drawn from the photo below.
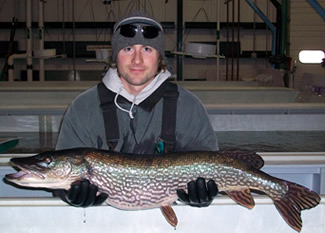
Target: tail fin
(297, 198)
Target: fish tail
(296, 199)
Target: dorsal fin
(248, 157)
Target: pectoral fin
(242, 197)
(169, 214)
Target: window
(311, 56)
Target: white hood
(113, 82)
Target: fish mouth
(24, 174)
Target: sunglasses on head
(130, 30)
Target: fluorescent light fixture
(311, 56)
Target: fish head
(48, 170)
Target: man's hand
(200, 193)
(82, 194)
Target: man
(136, 110)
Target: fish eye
(45, 162)
(42, 164)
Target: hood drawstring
(122, 109)
(113, 82)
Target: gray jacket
(83, 125)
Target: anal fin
(169, 214)
(242, 197)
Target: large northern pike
(150, 181)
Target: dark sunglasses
(148, 32)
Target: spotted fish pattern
(150, 181)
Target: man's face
(137, 65)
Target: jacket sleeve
(193, 128)
(73, 132)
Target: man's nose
(137, 59)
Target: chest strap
(168, 137)
(110, 118)
(168, 126)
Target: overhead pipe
(28, 54)
(320, 10)
(232, 38)
(63, 28)
(284, 32)
(254, 55)
(179, 39)
(268, 23)
(238, 38)
(29, 50)
(279, 20)
(74, 42)
(227, 40)
(41, 38)
(11, 59)
(288, 78)
(218, 41)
